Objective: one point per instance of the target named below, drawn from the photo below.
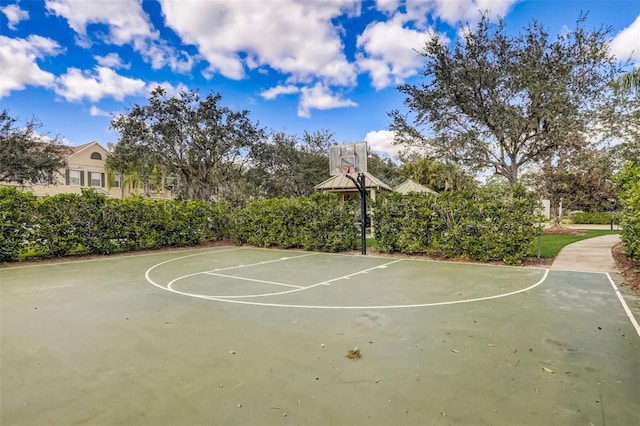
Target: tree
(629, 82)
(289, 166)
(25, 156)
(436, 175)
(579, 178)
(137, 167)
(202, 143)
(383, 168)
(501, 102)
(625, 125)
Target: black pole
(363, 212)
(360, 184)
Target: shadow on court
(250, 336)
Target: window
(96, 156)
(75, 177)
(96, 179)
(116, 180)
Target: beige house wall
(84, 166)
(84, 162)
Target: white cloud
(18, 62)
(50, 139)
(294, 37)
(455, 11)
(382, 141)
(319, 97)
(274, 92)
(97, 112)
(14, 15)
(104, 82)
(112, 60)
(159, 54)
(125, 18)
(389, 51)
(387, 6)
(627, 43)
(127, 23)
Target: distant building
(412, 186)
(86, 169)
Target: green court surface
(243, 336)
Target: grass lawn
(550, 245)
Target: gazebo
(413, 186)
(341, 185)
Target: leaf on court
(455, 351)
(354, 353)
(232, 352)
(492, 345)
(547, 370)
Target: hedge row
(483, 225)
(480, 225)
(628, 185)
(318, 222)
(91, 223)
(584, 218)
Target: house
(86, 169)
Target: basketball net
(343, 169)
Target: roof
(412, 186)
(80, 148)
(341, 183)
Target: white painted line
(234, 299)
(364, 271)
(253, 280)
(261, 263)
(634, 323)
(148, 278)
(246, 296)
(215, 297)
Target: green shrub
(482, 225)
(90, 223)
(628, 185)
(16, 221)
(318, 222)
(584, 218)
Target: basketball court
(237, 335)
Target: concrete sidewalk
(590, 255)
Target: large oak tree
(204, 144)
(499, 101)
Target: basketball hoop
(349, 159)
(343, 169)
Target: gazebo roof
(412, 186)
(340, 183)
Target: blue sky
(294, 64)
